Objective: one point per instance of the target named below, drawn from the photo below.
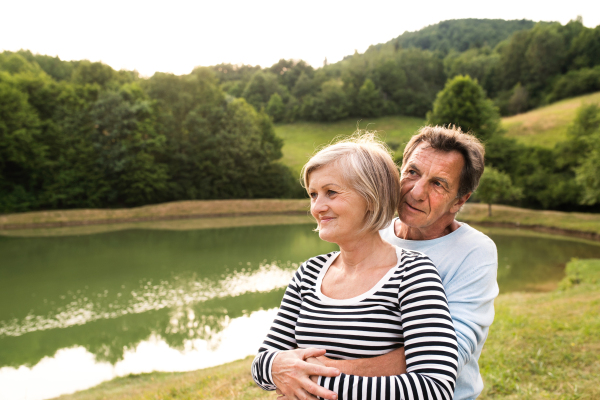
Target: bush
(575, 83)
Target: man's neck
(406, 232)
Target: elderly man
(441, 168)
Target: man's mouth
(413, 208)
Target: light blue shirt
(467, 261)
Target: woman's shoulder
(412, 260)
(314, 265)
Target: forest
(78, 134)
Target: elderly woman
(368, 299)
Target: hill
(546, 126)
(458, 34)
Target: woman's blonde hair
(366, 165)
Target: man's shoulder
(469, 237)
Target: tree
(585, 148)
(260, 88)
(331, 104)
(496, 186)
(369, 102)
(462, 102)
(275, 107)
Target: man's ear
(459, 202)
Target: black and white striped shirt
(407, 307)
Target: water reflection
(98, 306)
(76, 368)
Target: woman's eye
(331, 192)
(313, 195)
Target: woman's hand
(292, 374)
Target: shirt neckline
(460, 229)
(360, 297)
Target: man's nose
(419, 190)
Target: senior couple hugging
(403, 309)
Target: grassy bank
(541, 345)
(158, 212)
(226, 213)
(563, 222)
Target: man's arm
(392, 363)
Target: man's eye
(436, 183)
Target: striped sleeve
(281, 334)
(429, 341)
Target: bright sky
(177, 35)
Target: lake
(76, 310)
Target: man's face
(430, 180)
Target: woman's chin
(327, 236)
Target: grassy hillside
(547, 125)
(541, 345)
(302, 138)
(544, 126)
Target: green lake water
(109, 304)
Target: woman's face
(340, 211)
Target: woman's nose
(319, 204)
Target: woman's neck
(367, 251)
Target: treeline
(79, 134)
(521, 65)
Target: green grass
(547, 346)
(540, 346)
(546, 126)
(301, 139)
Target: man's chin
(410, 220)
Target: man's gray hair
(449, 139)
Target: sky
(177, 35)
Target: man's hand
(292, 375)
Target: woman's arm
(279, 364)
(429, 343)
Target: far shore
(204, 214)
